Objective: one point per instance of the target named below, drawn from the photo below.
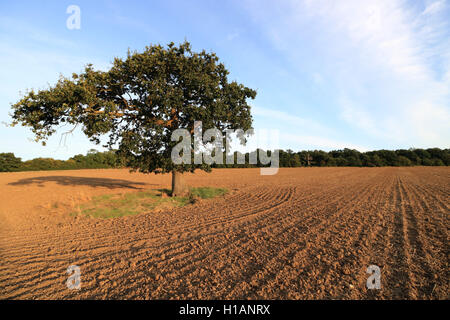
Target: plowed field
(305, 233)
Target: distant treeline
(354, 158)
(317, 158)
(92, 160)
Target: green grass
(119, 205)
(207, 192)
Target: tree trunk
(178, 187)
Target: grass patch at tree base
(119, 205)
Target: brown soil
(303, 233)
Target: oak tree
(139, 102)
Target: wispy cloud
(290, 119)
(387, 62)
(24, 29)
(291, 129)
(33, 58)
(359, 116)
(308, 142)
(434, 7)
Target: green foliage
(140, 101)
(93, 160)
(8, 162)
(112, 206)
(438, 162)
(338, 158)
(354, 158)
(403, 161)
(207, 192)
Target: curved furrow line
(200, 259)
(114, 253)
(294, 239)
(107, 233)
(292, 243)
(285, 269)
(34, 282)
(343, 274)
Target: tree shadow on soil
(81, 181)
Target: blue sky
(329, 74)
